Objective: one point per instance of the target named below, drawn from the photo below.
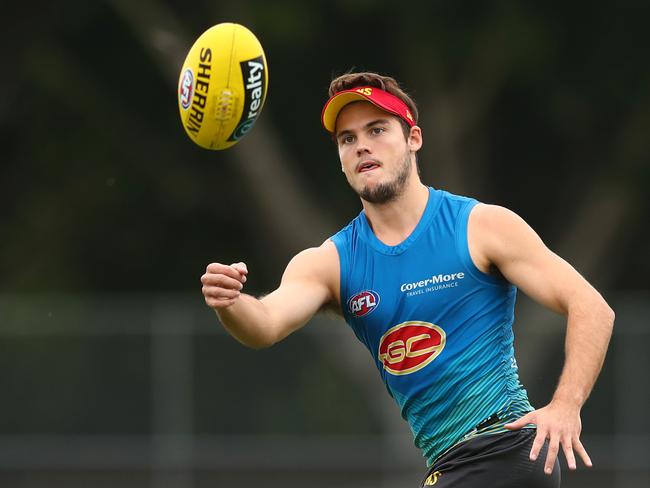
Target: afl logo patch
(410, 346)
(363, 303)
(186, 89)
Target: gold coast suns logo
(410, 346)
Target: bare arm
(309, 282)
(499, 237)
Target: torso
(438, 328)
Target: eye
(347, 139)
(375, 131)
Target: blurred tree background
(110, 215)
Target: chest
(420, 284)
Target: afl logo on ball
(186, 89)
(410, 346)
(363, 303)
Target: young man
(427, 281)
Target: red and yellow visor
(382, 99)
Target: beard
(390, 190)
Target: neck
(394, 221)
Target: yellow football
(222, 86)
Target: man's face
(375, 155)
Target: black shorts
(494, 461)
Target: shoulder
(494, 232)
(347, 233)
(493, 217)
(318, 265)
(451, 205)
(494, 221)
(316, 258)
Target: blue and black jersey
(439, 329)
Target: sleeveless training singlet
(439, 329)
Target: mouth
(365, 166)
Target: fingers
(538, 443)
(232, 271)
(222, 284)
(559, 424)
(551, 455)
(241, 268)
(522, 422)
(217, 297)
(222, 281)
(218, 303)
(218, 292)
(568, 453)
(569, 445)
(582, 452)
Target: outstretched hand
(559, 422)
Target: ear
(415, 139)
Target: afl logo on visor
(363, 303)
(410, 346)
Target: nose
(363, 147)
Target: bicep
(306, 286)
(509, 243)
